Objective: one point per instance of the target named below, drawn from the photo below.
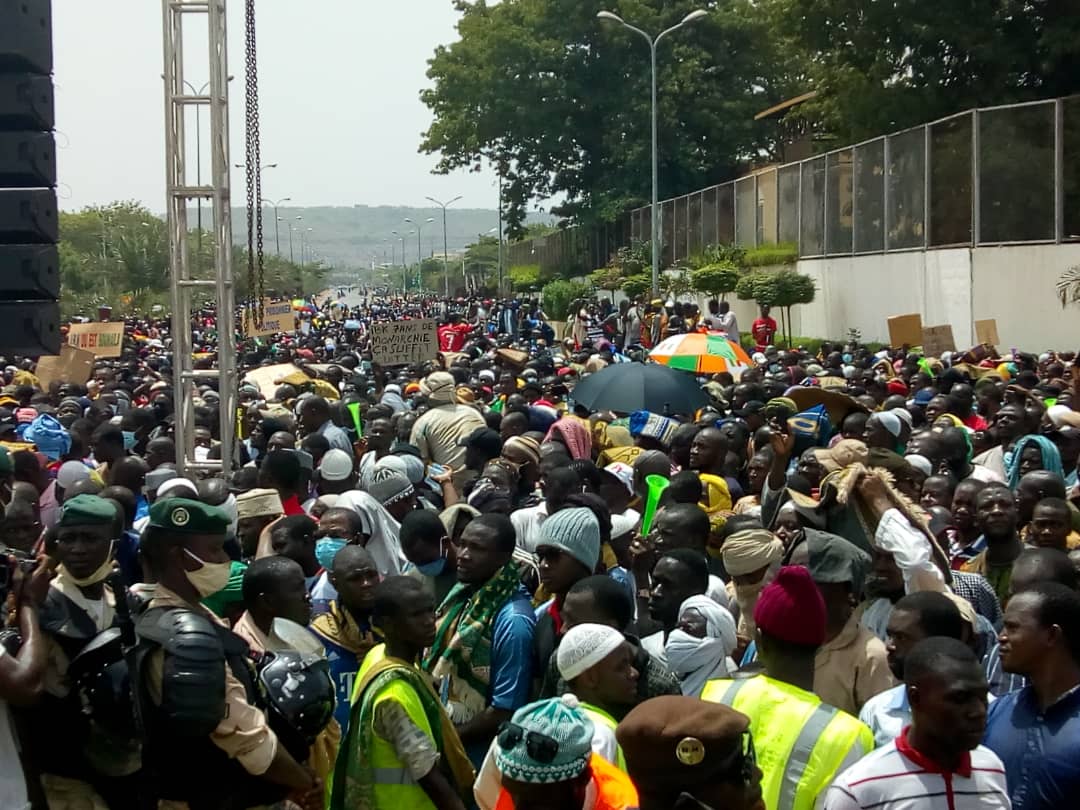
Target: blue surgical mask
(327, 548)
(129, 439)
(433, 568)
(436, 566)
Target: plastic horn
(657, 484)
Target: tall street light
(693, 16)
(291, 259)
(444, 206)
(419, 247)
(404, 267)
(274, 204)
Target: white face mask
(100, 575)
(209, 579)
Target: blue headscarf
(1051, 458)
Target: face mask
(433, 568)
(209, 579)
(100, 575)
(747, 596)
(326, 549)
(129, 439)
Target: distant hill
(353, 236)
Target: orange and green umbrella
(702, 353)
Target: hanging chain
(252, 171)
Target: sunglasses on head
(540, 747)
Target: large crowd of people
(849, 579)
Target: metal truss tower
(181, 190)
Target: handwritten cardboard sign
(936, 340)
(277, 317)
(71, 365)
(101, 339)
(986, 332)
(403, 342)
(905, 330)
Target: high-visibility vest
(800, 742)
(614, 790)
(599, 716)
(395, 788)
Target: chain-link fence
(1000, 175)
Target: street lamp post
(446, 272)
(693, 16)
(291, 259)
(419, 248)
(404, 266)
(277, 219)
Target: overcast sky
(339, 91)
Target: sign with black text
(403, 342)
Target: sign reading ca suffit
(403, 342)
(103, 339)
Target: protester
(700, 648)
(791, 620)
(544, 758)
(939, 753)
(1035, 730)
(482, 652)
(397, 725)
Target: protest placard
(905, 330)
(986, 332)
(277, 317)
(936, 340)
(100, 339)
(403, 342)
(71, 365)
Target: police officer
(208, 744)
(77, 609)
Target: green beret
(87, 510)
(185, 516)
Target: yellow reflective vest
(601, 718)
(801, 743)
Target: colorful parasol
(702, 353)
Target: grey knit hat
(389, 486)
(574, 531)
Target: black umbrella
(629, 387)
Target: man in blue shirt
(482, 655)
(1036, 730)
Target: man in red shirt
(763, 329)
(963, 397)
(452, 335)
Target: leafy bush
(637, 285)
(769, 255)
(525, 277)
(558, 296)
(607, 278)
(715, 279)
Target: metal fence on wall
(992, 176)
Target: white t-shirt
(12, 782)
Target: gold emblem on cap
(690, 751)
(180, 516)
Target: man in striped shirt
(937, 762)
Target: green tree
(879, 67)
(559, 102)
(784, 289)
(715, 280)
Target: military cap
(675, 743)
(185, 516)
(87, 510)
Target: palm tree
(1068, 286)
